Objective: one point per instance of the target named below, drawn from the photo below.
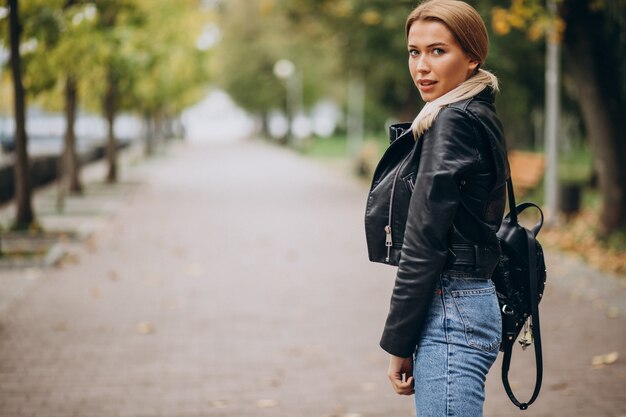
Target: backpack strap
(534, 306)
(511, 196)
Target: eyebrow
(432, 45)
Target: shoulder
(453, 125)
(478, 107)
(479, 112)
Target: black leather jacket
(448, 212)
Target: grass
(336, 146)
(576, 166)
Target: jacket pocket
(481, 317)
(409, 181)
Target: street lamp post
(4, 57)
(285, 70)
(552, 119)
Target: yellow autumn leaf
(194, 270)
(606, 359)
(371, 17)
(266, 7)
(499, 21)
(145, 328)
(218, 404)
(266, 403)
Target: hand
(401, 375)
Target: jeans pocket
(481, 317)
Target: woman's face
(436, 61)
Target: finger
(407, 387)
(405, 391)
(403, 387)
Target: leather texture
(446, 189)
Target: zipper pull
(388, 242)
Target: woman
(444, 325)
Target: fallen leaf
(152, 281)
(606, 359)
(145, 328)
(611, 358)
(170, 304)
(69, 259)
(90, 245)
(113, 275)
(218, 404)
(597, 361)
(180, 252)
(266, 403)
(559, 386)
(368, 386)
(613, 312)
(274, 382)
(195, 270)
(60, 327)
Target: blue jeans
(457, 347)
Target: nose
(421, 64)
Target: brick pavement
(235, 283)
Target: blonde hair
(469, 31)
(461, 19)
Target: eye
(413, 52)
(438, 51)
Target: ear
(473, 65)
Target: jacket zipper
(388, 239)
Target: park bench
(526, 170)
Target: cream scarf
(468, 88)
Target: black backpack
(520, 278)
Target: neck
(467, 89)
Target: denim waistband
(474, 275)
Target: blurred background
(94, 92)
(324, 77)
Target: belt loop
(451, 258)
(478, 256)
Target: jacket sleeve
(449, 151)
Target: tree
(108, 15)
(25, 216)
(72, 58)
(254, 36)
(60, 30)
(173, 67)
(601, 80)
(594, 51)
(370, 46)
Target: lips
(426, 86)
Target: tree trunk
(110, 103)
(71, 164)
(25, 216)
(158, 129)
(595, 65)
(148, 135)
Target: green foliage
(170, 69)
(371, 45)
(334, 40)
(255, 35)
(576, 166)
(156, 66)
(332, 147)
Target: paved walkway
(235, 282)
